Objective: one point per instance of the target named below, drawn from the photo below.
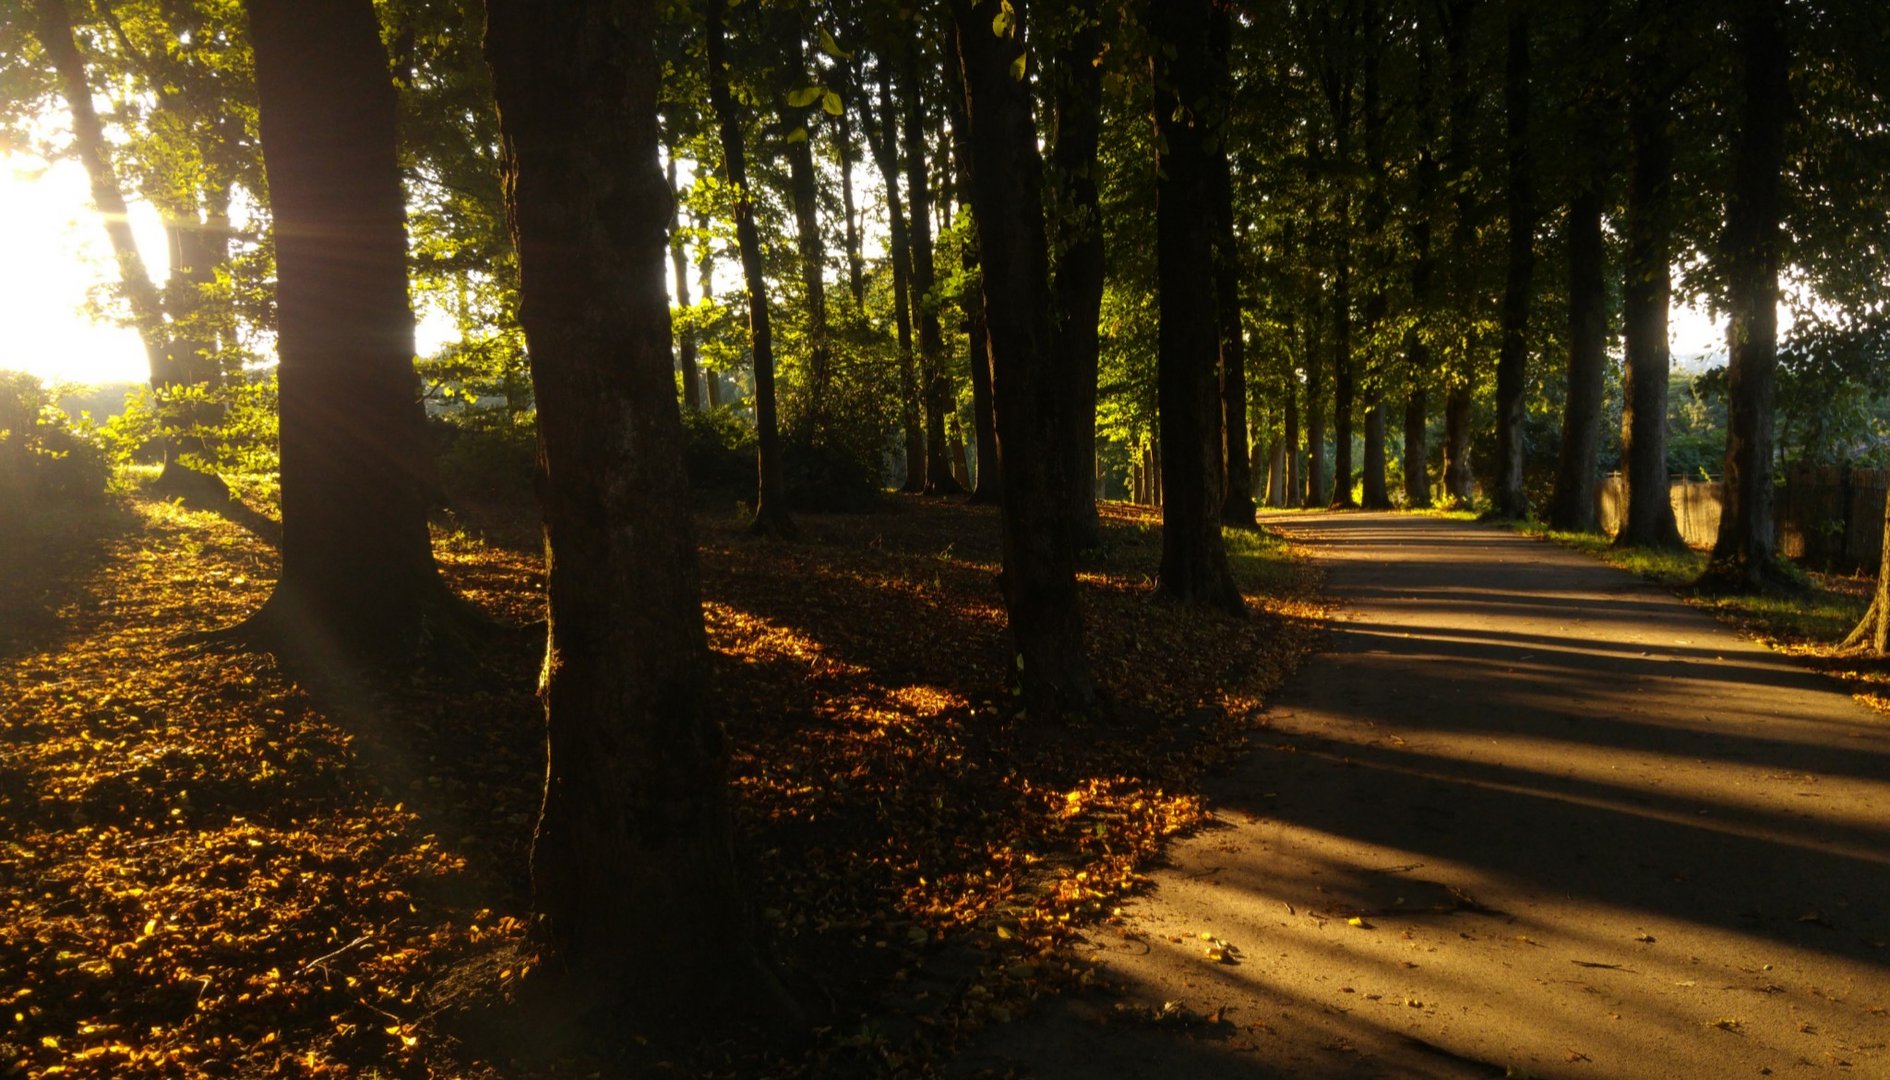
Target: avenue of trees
(1204, 253)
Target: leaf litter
(210, 868)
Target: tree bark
(1418, 357)
(1194, 563)
(884, 143)
(1459, 482)
(1648, 519)
(1512, 376)
(635, 830)
(358, 581)
(1745, 554)
(1079, 258)
(679, 267)
(1373, 494)
(1315, 417)
(1030, 383)
(1237, 505)
(1573, 507)
(844, 152)
(987, 481)
(803, 183)
(935, 381)
(1295, 495)
(1872, 633)
(771, 512)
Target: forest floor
(210, 867)
(1525, 815)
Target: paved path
(1588, 832)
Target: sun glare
(55, 254)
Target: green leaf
(832, 48)
(1017, 68)
(805, 96)
(799, 134)
(830, 103)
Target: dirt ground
(1526, 816)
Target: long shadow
(1690, 854)
(46, 564)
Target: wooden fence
(1827, 518)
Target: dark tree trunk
(1295, 496)
(1077, 132)
(1647, 519)
(1745, 556)
(705, 277)
(1373, 494)
(1573, 508)
(1418, 357)
(1459, 481)
(199, 252)
(1417, 481)
(771, 511)
(934, 379)
(1316, 488)
(635, 829)
(1030, 386)
(988, 481)
(1237, 507)
(1194, 562)
(358, 580)
(1342, 385)
(843, 151)
(884, 143)
(1512, 376)
(679, 268)
(803, 183)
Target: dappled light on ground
(215, 867)
(1557, 823)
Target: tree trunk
(1745, 556)
(1459, 481)
(679, 267)
(803, 184)
(884, 143)
(1079, 258)
(1373, 493)
(771, 512)
(843, 151)
(1342, 385)
(934, 379)
(53, 26)
(988, 481)
(358, 581)
(1872, 633)
(1647, 519)
(1194, 562)
(635, 830)
(1236, 507)
(1030, 383)
(1418, 356)
(1417, 481)
(1573, 508)
(1512, 376)
(1295, 495)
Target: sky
(53, 252)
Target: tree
(1076, 102)
(358, 580)
(1745, 554)
(882, 138)
(1236, 472)
(1458, 18)
(771, 512)
(935, 381)
(1509, 500)
(171, 351)
(1030, 383)
(1418, 356)
(1573, 508)
(1647, 518)
(1194, 562)
(635, 831)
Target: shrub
(44, 455)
